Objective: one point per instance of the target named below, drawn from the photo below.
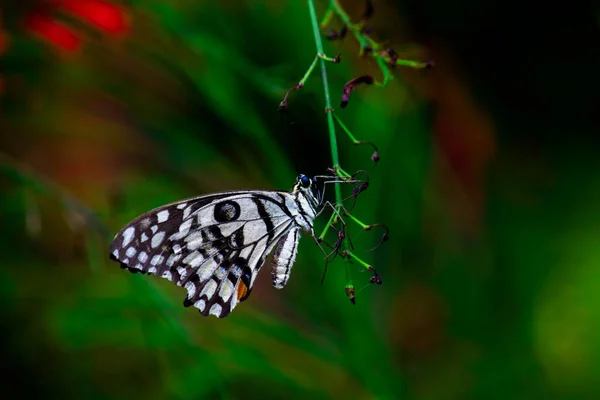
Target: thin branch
(330, 125)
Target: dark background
(488, 180)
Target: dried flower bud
(369, 10)
(350, 292)
(375, 157)
(351, 85)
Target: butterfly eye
(305, 180)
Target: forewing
(213, 245)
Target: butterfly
(215, 245)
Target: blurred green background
(489, 180)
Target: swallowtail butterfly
(215, 245)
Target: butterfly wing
(214, 245)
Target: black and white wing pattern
(215, 245)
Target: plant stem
(330, 125)
(314, 64)
(309, 71)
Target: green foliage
(490, 273)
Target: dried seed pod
(375, 157)
(369, 10)
(351, 85)
(350, 292)
(332, 34)
(283, 104)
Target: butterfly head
(307, 187)
(304, 181)
(303, 184)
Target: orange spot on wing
(242, 290)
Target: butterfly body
(215, 245)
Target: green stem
(357, 221)
(330, 125)
(309, 71)
(345, 129)
(322, 235)
(314, 64)
(329, 111)
(342, 174)
(355, 28)
(361, 262)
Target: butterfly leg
(337, 245)
(348, 253)
(341, 237)
(342, 176)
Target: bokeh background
(489, 181)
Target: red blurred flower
(56, 33)
(104, 15)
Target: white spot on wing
(191, 288)
(209, 289)
(215, 310)
(176, 248)
(167, 275)
(184, 228)
(194, 240)
(157, 239)
(154, 228)
(181, 206)
(157, 259)
(207, 269)
(143, 256)
(234, 302)
(226, 289)
(115, 253)
(173, 259)
(182, 272)
(128, 235)
(200, 304)
(237, 271)
(194, 259)
(221, 273)
(131, 251)
(144, 237)
(152, 270)
(162, 216)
